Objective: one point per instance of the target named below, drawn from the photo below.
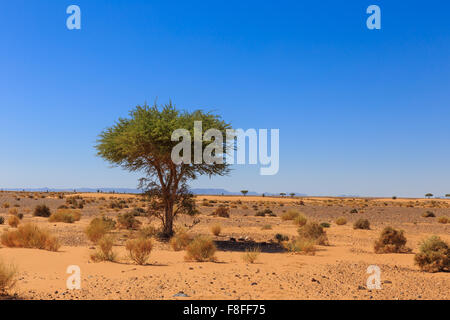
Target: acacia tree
(244, 192)
(143, 143)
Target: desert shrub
(216, 229)
(42, 211)
(363, 224)
(281, 237)
(13, 211)
(428, 214)
(300, 220)
(290, 215)
(180, 240)
(201, 249)
(7, 277)
(149, 231)
(443, 220)
(105, 249)
(138, 212)
(222, 211)
(98, 227)
(13, 221)
(325, 225)
(20, 216)
(65, 215)
(266, 227)
(128, 221)
(2, 220)
(139, 249)
(391, 241)
(30, 236)
(300, 245)
(341, 221)
(313, 231)
(434, 255)
(354, 211)
(251, 255)
(6, 205)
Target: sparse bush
(139, 250)
(20, 216)
(391, 241)
(180, 240)
(363, 224)
(313, 231)
(42, 211)
(222, 211)
(149, 232)
(105, 249)
(251, 255)
(7, 277)
(201, 249)
(128, 221)
(443, 220)
(98, 227)
(428, 214)
(434, 255)
(30, 236)
(13, 221)
(65, 215)
(290, 215)
(6, 205)
(266, 227)
(13, 211)
(281, 237)
(341, 221)
(300, 220)
(325, 225)
(216, 229)
(299, 245)
(354, 211)
(2, 220)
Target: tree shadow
(242, 246)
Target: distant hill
(205, 191)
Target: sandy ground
(338, 271)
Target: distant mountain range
(206, 191)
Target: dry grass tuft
(251, 255)
(7, 277)
(314, 232)
(98, 227)
(216, 229)
(13, 221)
(290, 215)
(362, 224)
(105, 249)
(301, 245)
(180, 240)
(139, 250)
(65, 215)
(201, 249)
(30, 236)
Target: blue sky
(359, 111)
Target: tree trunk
(168, 225)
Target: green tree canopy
(143, 143)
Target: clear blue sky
(359, 111)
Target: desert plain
(334, 271)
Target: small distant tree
(143, 143)
(292, 194)
(282, 194)
(244, 192)
(447, 195)
(429, 195)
